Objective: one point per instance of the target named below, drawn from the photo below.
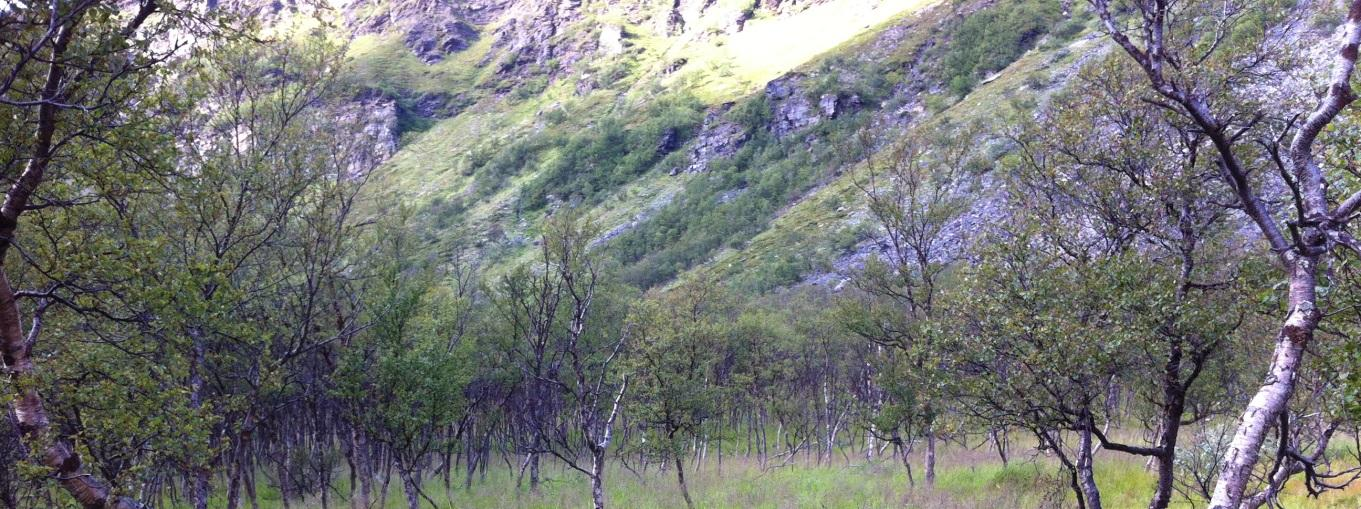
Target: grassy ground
(967, 479)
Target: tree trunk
(250, 488)
(361, 471)
(1174, 402)
(202, 487)
(470, 467)
(15, 346)
(720, 445)
(930, 474)
(999, 442)
(413, 498)
(1298, 330)
(598, 478)
(201, 474)
(906, 455)
(1084, 467)
(447, 467)
(387, 481)
(680, 478)
(534, 473)
(283, 478)
(234, 485)
(33, 425)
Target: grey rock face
(530, 36)
(669, 142)
(718, 138)
(675, 65)
(431, 42)
(792, 110)
(437, 105)
(431, 29)
(376, 115)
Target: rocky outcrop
(787, 6)
(672, 21)
(656, 204)
(368, 17)
(718, 138)
(669, 141)
(792, 109)
(376, 115)
(431, 29)
(435, 104)
(675, 65)
(432, 41)
(833, 105)
(533, 37)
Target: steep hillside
(700, 134)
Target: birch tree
(77, 77)
(569, 340)
(916, 192)
(1142, 186)
(680, 341)
(1201, 75)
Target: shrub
(992, 38)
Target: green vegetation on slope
(992, 38)
(585, 149)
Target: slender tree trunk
(250, 487)
(364, 468)
(903, 452)
(598, 478)
(534, 473)
(413, 498)
(201, 474)
(470, 466)
(720, 445)
(930, 457)
(751, 432)
(387, 480)
(999, 443)
(484, 457)
(680, 478)
(283, 477)
(764, 450)
(1174, 402)
(234, 485)
(1085, 472)
(1298, 330)
(347, 450)
(447, 467)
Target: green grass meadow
(965, 479)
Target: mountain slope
(713, 135)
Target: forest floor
(965, 479)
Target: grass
(966, 479)
(767, 48)
(383, 61)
